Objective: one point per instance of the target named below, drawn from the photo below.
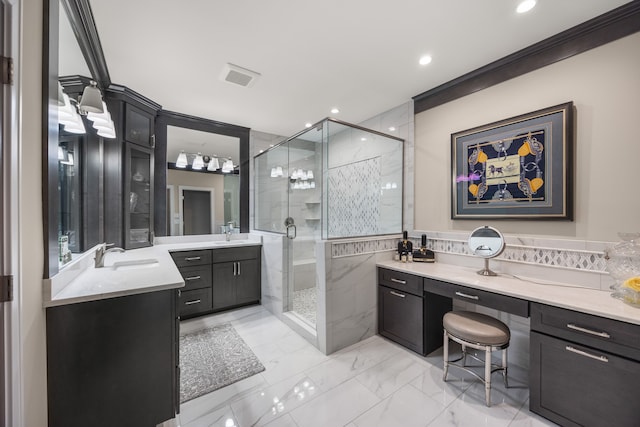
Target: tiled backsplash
(567, 254)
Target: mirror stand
(486, 271)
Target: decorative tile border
(583, 260)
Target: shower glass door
(304, 216)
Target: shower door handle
(291, 228)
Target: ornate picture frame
(517, 168)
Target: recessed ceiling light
(526, 6)
(308, 125)
(425, 60)
(334, 111)
(262, 151)
(363, 139)
(392, 128)
(270, 145)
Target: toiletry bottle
(405, 247)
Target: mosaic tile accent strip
(583, 260)
(304, 303)
(354, 199)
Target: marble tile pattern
(304, 303)
(592, 260)
(354, 199)
(372, 383)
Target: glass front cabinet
(139, 197)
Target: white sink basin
(135, 264)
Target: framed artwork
(518, 168)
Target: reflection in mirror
(203, 196)
(486, 242)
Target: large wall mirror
(74, 169)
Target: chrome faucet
(101, 251)
(229, 229)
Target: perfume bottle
(405, 247)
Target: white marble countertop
(569, 296)
(128, 273)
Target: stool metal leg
(504, 367)
(487, 374)
(445, 355)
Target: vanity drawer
(236, 254)
(606, 334)
(194, 302)
(196, 277)
(488, 299)
(186, 258)
(404, 282)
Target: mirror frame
(81, 19)
(83, 24)
(170, 118)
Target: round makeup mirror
(486, 242)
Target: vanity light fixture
(213, 164)
(91, 99)
(227, 166)
(181, 162)
(103, 123)
(198, 162)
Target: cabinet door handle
(402, 282)
(589, 355)
(397, 294)
(192, 258)
(600, 334)
(234, 268)
(192, 278)
(238, 268)
(463, 295)
(153, 141)
(195, 301)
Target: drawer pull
(588, 331)
(192, 278)
(193, 258)
(584, 353)
(402, 282)
(195, 301)
(463, 295)
(397, 294)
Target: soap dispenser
(405, 247)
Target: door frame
(11, 404)
(211, 192)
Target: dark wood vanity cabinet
(218, 279)
(405, 315)
(113, 362)
(585, 369)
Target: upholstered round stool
(481, 332)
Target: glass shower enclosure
(333, 180)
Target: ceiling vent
(237, 75)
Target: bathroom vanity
(113, 331)
(585, 345)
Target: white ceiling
(358, 55)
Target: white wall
(32, 345)
(604, 84)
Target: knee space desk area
(584, 345)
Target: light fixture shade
(312, 185)
(104, 125)
(181, 162)
(310, 174)
(97, 118)
(69, 160)
(107, 133)
(227, 166)
(279, 171)
(66, 112)
(60, 95)
(91, 101)
(198, 162)
(214, 164)
(274, 174)
(75, 125)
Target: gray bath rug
(213, 358)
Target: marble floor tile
(370, 383)
(269, 403)
(408, 407)
(337, 407)
(391, 374)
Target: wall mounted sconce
(90, 105)
(302, 180)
